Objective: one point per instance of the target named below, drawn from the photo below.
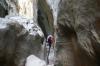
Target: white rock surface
(29, 25)
(32, 60)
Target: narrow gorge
(26, 24)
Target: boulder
(17, 42)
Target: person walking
(50, 40)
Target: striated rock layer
(45, 17)
(78, 35)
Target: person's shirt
(50, 39)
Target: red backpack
(50, 40)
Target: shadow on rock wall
(15, 48)
(79, 25)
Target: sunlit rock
(33, 60)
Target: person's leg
(49, 49)
(48, 54)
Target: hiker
(50, 41)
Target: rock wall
(20, 35)
(25, 8)
(16, 44)
(45, 17)
(76, 20)
(3, 8)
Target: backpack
(50, 39)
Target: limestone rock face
(16, 43)
(3, 8)
(20, 35)
(25, 8)
(45, 17)
(78, 34)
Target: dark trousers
(48, 54)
